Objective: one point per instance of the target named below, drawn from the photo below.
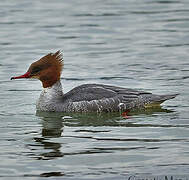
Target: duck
(85, 97)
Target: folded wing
(97, 97)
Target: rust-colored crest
(50, 60)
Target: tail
(156, 100)
(167, 97)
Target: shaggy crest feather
(54, 59)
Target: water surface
(137, 44)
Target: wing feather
(98, 97)
(90, 97)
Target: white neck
(49, 97)
(54, 91)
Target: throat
(49, 82)
(53, 92)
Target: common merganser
(86, 97)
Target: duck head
(47, 69)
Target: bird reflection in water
(53, 125)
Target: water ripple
(139, 44)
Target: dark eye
(35, 70)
